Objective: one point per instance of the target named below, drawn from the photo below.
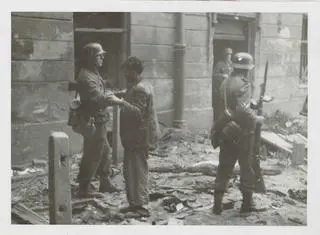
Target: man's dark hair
(133, 63)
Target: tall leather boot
(248, 204)
(217, 207)
(106, 186)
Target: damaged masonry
(180, 52)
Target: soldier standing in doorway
(237, 136)
(221, 71)
(94, 101)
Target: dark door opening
(106, 28)
(235, 45)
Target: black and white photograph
(159, 118)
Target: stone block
(42, 71)
(197, 70)
(30, 141)
(269, 18)
(157, 69)
(152, 35)
(30, 49)
(196, 54)
(198, 93)
(196, 22)
(149, 52)
(195, 38)
(39, 103)
(43, 29)
(153, 19)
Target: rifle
(259, 185)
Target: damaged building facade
(178, 49)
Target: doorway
(110, 29)
(235, 45)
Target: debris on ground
(181, 184)
(298, 194)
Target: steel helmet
(242, 60)
(93, 49)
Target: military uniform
(96, 149)
(220, 71)
(237, 92)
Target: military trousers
(230, 153)
(96, 156)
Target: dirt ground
(181, 190)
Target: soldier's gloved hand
(260, 119)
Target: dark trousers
(96, 157)
(230, 153)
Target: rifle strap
(225, 96)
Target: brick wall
(42, 64)
(152, 40)
(282, 49)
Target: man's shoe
(142, 211)
(127, 209)
(248, 204)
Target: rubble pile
(182, 173)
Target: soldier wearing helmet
(221, 71)
(235, 95)
(94, 103)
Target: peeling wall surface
(152, 40)
(280, 44)
(42, 64)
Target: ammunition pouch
(80, 123)
(232, 132)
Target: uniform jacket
(93, 95)
(219, 70)
(139, 126)
(238, 95)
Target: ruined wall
(152, 40)
(280, 41)
(42, 64)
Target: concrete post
(179, 60)
(60, 210)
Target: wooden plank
(21, 212)
(44, 29)
(29, 49)
(37, 71)
(45, 15)
(277, 141)
(60, 209)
